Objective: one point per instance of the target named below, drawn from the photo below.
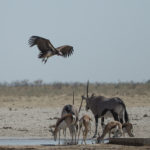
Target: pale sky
(111, 40)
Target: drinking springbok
(86, 122)
(64, 122)
(114, 127)
(99, 105)
(127, 128)
(52, 127)
(73, 128)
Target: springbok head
(51, 130)
(68, 109)
(55, 134)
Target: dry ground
(32, 117)
(26, 116)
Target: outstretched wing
(66, 50)
(43, 44)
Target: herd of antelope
(101, 107)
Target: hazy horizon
(111, 40)
(41, 82)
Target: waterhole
(42, 142)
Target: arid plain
(27, 111)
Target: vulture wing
(43, 44)
(66, 50)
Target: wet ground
(46, 144)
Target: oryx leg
(121, 115)
(102, 116)
(96, 125)
(102, 121)
(121, 120)
(115, 115)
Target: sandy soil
(31, 119)
(35, 122)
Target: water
(40, 142)
(27, 142)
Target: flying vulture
(47, 49)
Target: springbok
(71, 109)
(52, 127)
(47, 49)
(86, 122)
(114, 127)
(64, 122)
(99, 105)
(127, 128)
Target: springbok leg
(45, 60)
(59, 137)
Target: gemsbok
(99, 105)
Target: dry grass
(58, 94)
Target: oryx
(99, 105)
